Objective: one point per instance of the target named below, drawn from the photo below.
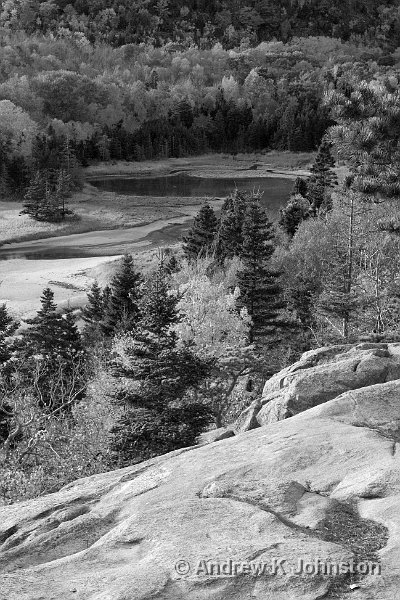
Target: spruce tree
(92, 312)
(50, 208)
(8, 327)
(63, 191)
(34, 196)
(323, 178)
(260, 290)
(93, 315)
(51, 354)
(70, 339)
(158, 303)
(323, 167)
(122, 309)
(159, 414)
(40, 337)
(200, 238)
(4, 180)
(229, 237)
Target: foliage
(157, 376)
(260, 290)
(45, 451)
(229, 237)
(121, 310)
(295, 212)
(204, 23)
(368, 117)
(161, 376)
(8, 326)
(158, 304)
(51, 356)
(201, 236)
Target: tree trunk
(349, 274)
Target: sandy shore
(22, 280)
(271, 164)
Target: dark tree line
(127, 22)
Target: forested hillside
(204, 22)
(65, 101)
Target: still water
(117, 241)
(275, 190)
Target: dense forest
(204, 22)
(68, 96)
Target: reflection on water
(275, 190)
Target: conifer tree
(300, 187)
(158, 304)
(93, 315)
(8, 327)
(159, 415)
(70, 338)
(200, 238)
(229, 236)
(34, 196)
(63, 191)
(92, 312)
(322, 179)
(40, 337)
(323, 167)
(53, 343)
(367, 135)
(122, 309)
(259, 285)
(50, 208)
(4, 182)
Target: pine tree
(200, 238)
(4, 181)
(92, 313)
(324, 163)
(229, 237)
(8, 327)
(323, 178)
(259, 285)
(69, 166)
(34, 196)
(158, 304)
(50, 208)
(159, 415)
(40, 337)
(122, 310)
(51, 354)
(63, 191)
(70, 338)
